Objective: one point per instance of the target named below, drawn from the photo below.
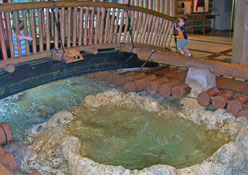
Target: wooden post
(240, 43)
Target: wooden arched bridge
(92, 26)
(87, 26)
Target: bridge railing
(80, 25)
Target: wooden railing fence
(80, 24)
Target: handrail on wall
(82, 25)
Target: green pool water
(136, 139)
(34, 106)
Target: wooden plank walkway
(209, 47)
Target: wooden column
(240, 43)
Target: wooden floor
(218, 47)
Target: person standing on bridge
(183, 44)
(22, 39)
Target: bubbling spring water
(135, 139)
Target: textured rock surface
(54, 151)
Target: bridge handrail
(34, 5)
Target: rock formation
(54, 150)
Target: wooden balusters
(69, 27)
(164, 27)
(125, 21)
(106, 30)
(98, 19)
(155, 30)
(112, 26)
(146, 4)
(157, 5)
(140, 28)
(149, 28)
(166, 40)
(17, 32)
(118, 34)
(116, 26)
(91, 25)
(56, 29)
(40, 23)
(48, 15)
(80, 27)
(162, 6)
(169, 37)
(159, 32)
(135, 26)
(101, 27)
(7, 15)
(145, 27)
(150, 4)
(24, 16)
(74, 35)
(86, 22)
(62, 25)
(126, 36)
(172, 8)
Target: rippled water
(136, 139)
(34, 106)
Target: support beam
(47, 54)
(240, 43)
(215, 67)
